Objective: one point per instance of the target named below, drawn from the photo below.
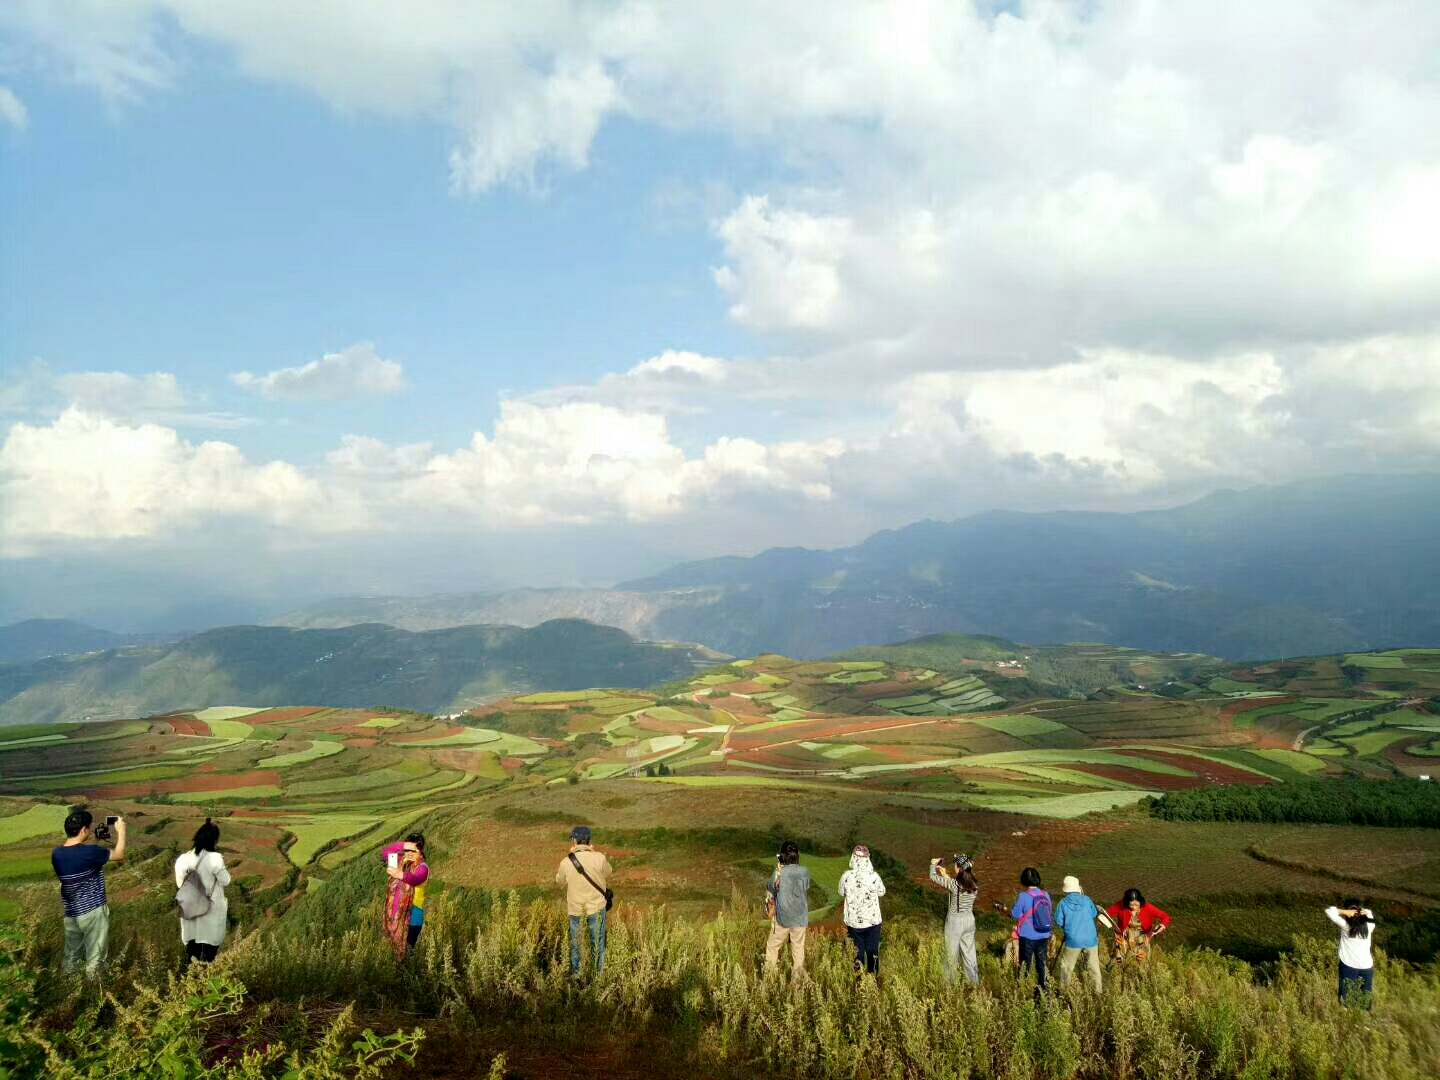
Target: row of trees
(1389, 803)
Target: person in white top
(1357, 967)
(204, 934)
(861, 889)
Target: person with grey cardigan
(959, 917)
(789, 897)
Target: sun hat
(1071, 884)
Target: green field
(311, 836)
(42, 820)
(313, 752)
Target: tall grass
(699, 989)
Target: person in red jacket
(1137, 923)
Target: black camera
(107, 830)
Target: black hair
(1030, 878)
(77, 822)
(418, 839)
(1357, 925)
(965, 879)
(789, 852)
(207, 836)
(1131, 895)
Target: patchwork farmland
(953, 752)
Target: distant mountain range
(35, 639)
(1306, 569)
(356, 666)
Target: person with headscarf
(860, 891)
(407, 878)
(959, 916)
(204, 932)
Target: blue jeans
(1035, 952)
(866, 940)
(597, 941)
(1356, 980)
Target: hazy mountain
(357, 666)
(1317, 567)
(34, 639)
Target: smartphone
(393, 860)
(111, 819)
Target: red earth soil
(188, 725)
(512, 763)
(1044, 842)
(1210, 772)
(1156, 781)
(1235, 708)
(362, 743)
(188, 783)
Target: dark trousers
(198, 950)
(867, 947)
(412, 935)
(1354, 981)
(1036, 953)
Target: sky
(365, 297)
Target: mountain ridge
(1316, 567)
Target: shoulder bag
(609, 894)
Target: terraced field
(303, 790)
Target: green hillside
(357, 666)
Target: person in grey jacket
(789, 891)
(959, 916)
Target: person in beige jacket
(585, 900)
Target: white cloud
(118, 394)
(584, 462)
(88, 478)
(356, 371)
(12, 110)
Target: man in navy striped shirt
(80, 866)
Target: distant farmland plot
(312, 752)
(1020, 725)
(41, 820)
(312, 835)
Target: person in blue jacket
(1075, 917)
(1034, 917)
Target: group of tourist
(584, 874)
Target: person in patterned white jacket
(861, 889)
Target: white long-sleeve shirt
(1354, 951)
(209, 929)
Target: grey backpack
(191, 897)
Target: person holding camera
(80, 866)
(959, 917)
(584, 874)
(789, 893)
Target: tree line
(1387, 803)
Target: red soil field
(188, 725)
(1235, 708)
(1211, 772)
(211, 782)
(512, 763)
(666, 727)
(362, 743)
(1157, 781)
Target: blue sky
(364, 296)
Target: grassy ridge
(698, 1001)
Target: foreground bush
(696, 989)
